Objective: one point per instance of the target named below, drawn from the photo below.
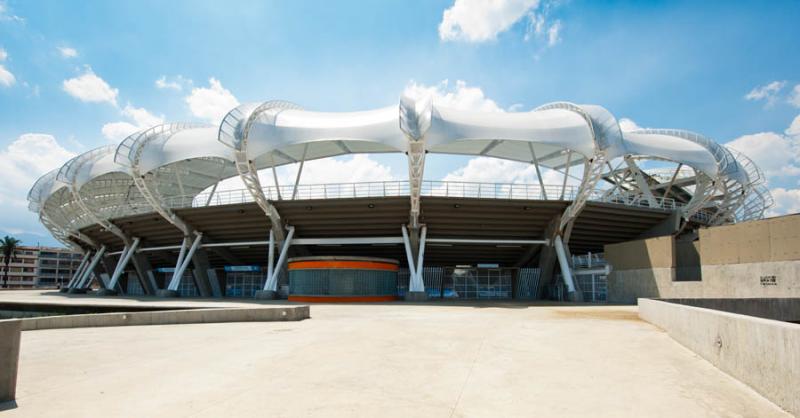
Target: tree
(8, 245)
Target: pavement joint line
(469, 375)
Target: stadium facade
(149, 218)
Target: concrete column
(144, 271)
(200, 273)
(9, 358)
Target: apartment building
(40, 267)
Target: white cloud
(67, 52)
(794, 129)
(88, 87)
(117, 131)
(777, 155)
(6, 78)
(554, 34)
(356, 168)
(173, 83)
(140, 117)
(352, 169)
(794, 96)
(23, 161)
(628, 125)
(482, 20)
(211, 103)
(786, 201)
(495, 170)
(768, 92)
(5, 15)
(460, 96)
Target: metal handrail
(430, 188)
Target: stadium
(149, 218)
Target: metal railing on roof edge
(430, 188)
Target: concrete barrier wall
(762, 353)
(9, 358)
(189, 316)
(641, 254)
(766, 240)
(779, 309)
(778, 279)
(758, 259)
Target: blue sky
(79, 74)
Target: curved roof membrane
(153, 169)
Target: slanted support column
(416, 284)
(271, 285)
(125, 257)
(566, 270)
(79, 272)
(81, 285)
(184, 258)
(641, 182)
(547, 257)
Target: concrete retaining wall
(757, 259)
(9, 358)
(774, 279)
(779, 309)
(189, 316)
(762, 353)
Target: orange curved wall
(342, 264)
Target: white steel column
(415, 120)
(409, 255)
(418, 283)
(272, 281)
(535, 162)
(566, 175)
(87, 274)
(270, 256)
(641, 182)
(183, 261)
(79, 271)
(123, 261)
(300, 171)
(563, 263)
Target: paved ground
(381, 360)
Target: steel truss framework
(157, 169)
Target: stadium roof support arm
(68, 175)
(415, 120)
(641, 182)
(129, 154)
(234, 132)
(604, 132)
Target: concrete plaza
(396, 359)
